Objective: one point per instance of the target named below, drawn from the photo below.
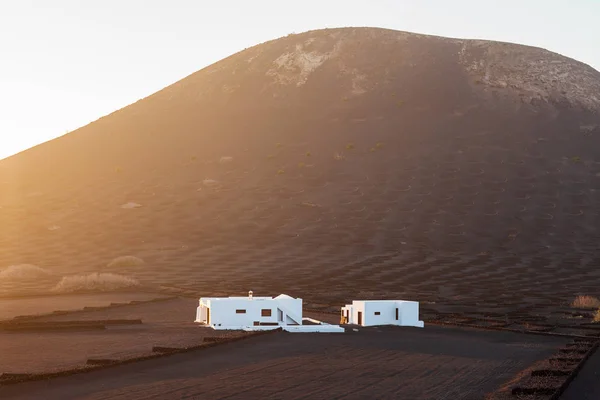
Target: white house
(258, 313)
(382, 312)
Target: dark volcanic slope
(352, 157)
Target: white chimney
(250, 294)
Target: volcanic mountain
(333, 161)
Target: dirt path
(435, 363)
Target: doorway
(207, 316)
(359, 318)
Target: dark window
(377, 313)
(265, 313)
(240, 311)
(256, 323)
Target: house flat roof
(280, 297)
(383, 301)
(235, 298)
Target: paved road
(586, 386)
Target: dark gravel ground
(390, 363)
(164, 323)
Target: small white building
(382, 312)
(258, 313)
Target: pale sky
(65, 63)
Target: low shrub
(130, 205)
(586, 302)
(125, 262)
(100, 282)
(23, 272)
(209, 182)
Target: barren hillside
(332, 161)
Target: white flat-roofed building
(257, 313)
(382, 312)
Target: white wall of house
(257, 314)
(383, 312)
(346, 314)
(409, 314)
(238, 313)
